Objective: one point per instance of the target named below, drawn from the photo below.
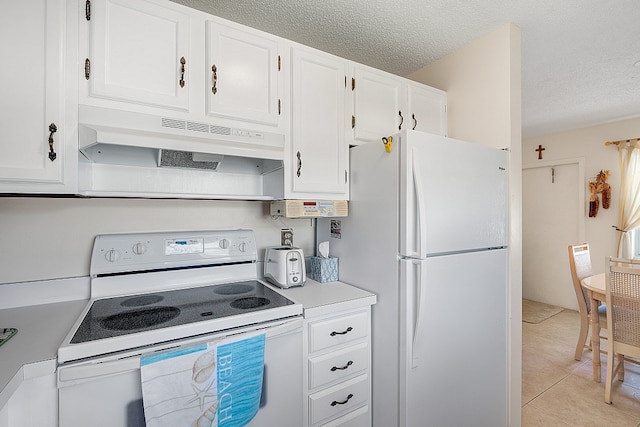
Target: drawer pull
(334, 333)
(335, 368)
(335, 402)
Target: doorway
(553, 203)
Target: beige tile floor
(558, 390)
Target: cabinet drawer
(340, 364)
(336, 331)
(361, 417)
(338, 400)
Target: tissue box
(324, 269)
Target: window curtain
(629, 200)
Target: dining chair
(623, 317)
(580, 265)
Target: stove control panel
(118, 253)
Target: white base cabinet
(338, 358)
(34, 404)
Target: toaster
(284, 266)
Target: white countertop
(319, 299)
(32, 351)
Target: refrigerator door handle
(419, 304)
(420, 208)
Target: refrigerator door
(453, 335)
(453, 195)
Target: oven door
(107, 392)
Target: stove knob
(224, 243)
(112, 255)
(139, 248)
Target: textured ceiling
(578, 56)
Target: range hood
(128, 154)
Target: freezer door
(453, 195)
(454, 340)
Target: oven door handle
(283, 328)
(89, 371)
(94, 370)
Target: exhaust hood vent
(188, 160)
(130, 154)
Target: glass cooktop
(117, 316)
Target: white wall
(483, 84)
(49, 238)
(588, 143)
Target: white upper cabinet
(242, 69)
(138, 53)
(383, 104)
(377, 104)
(318, 162)
(37, 134)
(427, 108)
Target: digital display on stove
(111, 317)
(183, 246)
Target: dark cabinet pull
(415, 121)
(214, 70)
(401, 120)
(52, 129)
(335, 402)
(335, 368)
(299, 164)
(334, 333)
(182, 63)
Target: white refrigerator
(427, 233)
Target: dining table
(596, 291)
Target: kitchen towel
(213, 384)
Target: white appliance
(309, 208)
(157, 291)
(427, 232)
(284, 266)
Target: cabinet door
(319, 150)
(377, 105)
(427, 109)
(32, 88)
(243, 75)
(139, 53)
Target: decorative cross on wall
(540, 149)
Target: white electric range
(156, 291)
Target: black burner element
(248, 303)
(141, 300)
(233, 289)
(139, 319)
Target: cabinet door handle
(401, 120)
(299, 164)
(52, 129)
(335, 368)
(335, 402)
(182, 64)
(415, 121)
(214, 79)
(346, 331)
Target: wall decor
(599, 186)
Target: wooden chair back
(580, 265)
(623, 316)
